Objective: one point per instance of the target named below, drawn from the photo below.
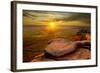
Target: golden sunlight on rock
(55, 35)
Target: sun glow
(52, 25)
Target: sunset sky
(57, 18)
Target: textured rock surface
(60, 47)
(80, 53)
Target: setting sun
(52, 25)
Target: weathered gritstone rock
(78, 54)
(60, 47)
(38, 57)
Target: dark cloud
(85, 17)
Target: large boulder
(59, 46)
